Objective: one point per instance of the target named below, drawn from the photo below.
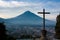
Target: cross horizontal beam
(43, 13)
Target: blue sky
(13, 8)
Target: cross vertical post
(43, 17)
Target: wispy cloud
(12, 4)
(16, 4)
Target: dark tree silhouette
(3, 35)
(57, 27)
(2, 31)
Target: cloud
(53, 6)
(12, 4)
(16, 4)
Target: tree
(57, 27)
(2, 31)
(3, 35)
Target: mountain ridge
(27, 18)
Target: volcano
(29, 18)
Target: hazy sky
(12, 8)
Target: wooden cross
(44, 17)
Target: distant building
(57, 27)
